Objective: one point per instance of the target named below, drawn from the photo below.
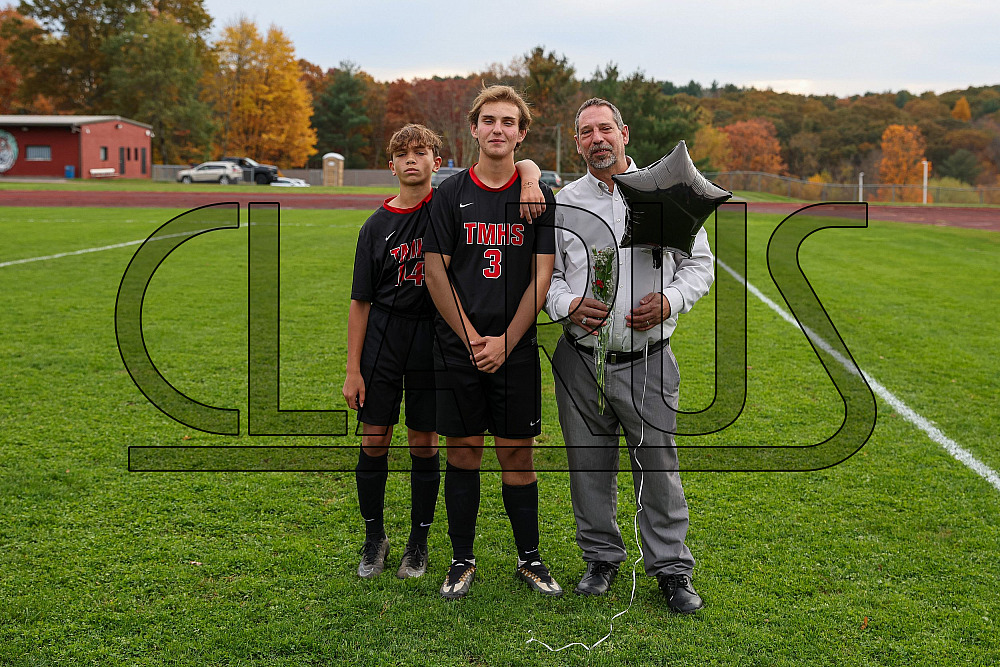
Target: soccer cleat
(680, 594)
(536, 575)
(373, 555)
(459, 579)
(414, 562)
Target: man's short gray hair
(595, 102)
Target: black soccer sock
(521, 503)
(425, 478)
(371, 474)
(461, 499)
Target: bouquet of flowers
(603, 288)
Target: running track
(973, 218)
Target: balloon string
(635, 521)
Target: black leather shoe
(597, 579)
(680, 594)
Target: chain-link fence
(352, 177)
(167, 172)
(796, 188)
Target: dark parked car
(442, 174)
(261, 174)
(551, 179)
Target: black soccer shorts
(397, 356)
(507, 403)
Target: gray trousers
(592, 448)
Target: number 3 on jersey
(493, 270)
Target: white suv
(212, 172)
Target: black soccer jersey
(389, 260)
(491, 250)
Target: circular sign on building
(8, 151)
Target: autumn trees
(137, 58)
(155, 78)
(10, 76)
(151, 60)
(902, 158)
(261, 103)
(61, 52)
(753, 146)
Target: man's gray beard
(603, 164)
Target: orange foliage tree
(14, 27)
(961, 110)
(10, 77)
(753, 146)
(903, 153)
(260, 98)
(711, 148)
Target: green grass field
(146, 185)
(887, 559)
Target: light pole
(925, 181)
(861, 186)
(559, 148)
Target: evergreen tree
(551, 89)
(961, 164)
(339, 115)
(656, 122)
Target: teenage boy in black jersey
(390, 334)
(488, 274)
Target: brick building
(89, 146)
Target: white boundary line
(84, 251)
(961, 454)
(934, 433)
(67, 254)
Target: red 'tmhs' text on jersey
(414, 250)
(494, 233)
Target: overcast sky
(842, 48)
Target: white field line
(126, 244)
(909, 414)
(84, 251)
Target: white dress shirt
(682, 280)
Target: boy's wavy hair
(497, 93)
(413, 134)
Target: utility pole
(559, 148)
(925, 181)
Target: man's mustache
(598, 147)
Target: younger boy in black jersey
(488, 274)
(390, 334)
(389, 338)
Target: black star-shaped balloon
(668, 202)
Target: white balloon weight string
(635, 524)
